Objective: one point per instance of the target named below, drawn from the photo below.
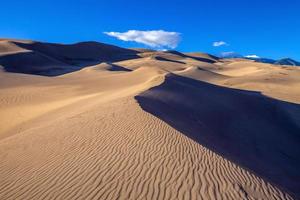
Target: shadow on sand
(259, 133)
(201, 59)
(168, 60)
(50, 59)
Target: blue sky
(265, 28)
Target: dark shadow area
(202, 69)
(168, 60)
(114, 68)
(51, 59)
(35, 63)
(201, 59)
(81, 52)
(256, 132)
(175, 53)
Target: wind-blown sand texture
(103, 122)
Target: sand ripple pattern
(118, 151)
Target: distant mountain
(284, 61)
(287, 61)
(266, 60)
(262, 60)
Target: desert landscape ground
(96, 121)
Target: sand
(160, 125)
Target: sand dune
(9, 47)
(82, 52)
(56, 59)
(203, 74)
(145, 125)
(224, 126)
(203, 57)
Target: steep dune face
(31, 62)
(252, 130)
(165, 125)
(203, 57)
(8, 47)
(56, 59)
(106, 66)
(81, 52)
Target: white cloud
(252, 56)
(219, 43)
(155, 38)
